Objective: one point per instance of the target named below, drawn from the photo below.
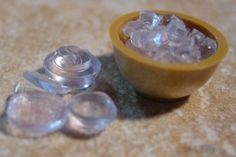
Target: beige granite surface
(205, 125)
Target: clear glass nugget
(67, 69)
(36, 113)
(90, 113)
(72, 67)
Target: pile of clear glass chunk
(167, 39)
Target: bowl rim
(213, 60)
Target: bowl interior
(119, 39)
(188, 23)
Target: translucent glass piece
(70, 66)
(144, 52)
(162, 54)
(91, 113)
(72, 59)
(150, 19)
(146, 40)
(208, 47)
(36, 113)
(132, 26)
(176, 29)
(186, 51)
(23, 86)
(183, 46)
(46, 83)
(130, 45)
(197, 36)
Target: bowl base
(165, 100)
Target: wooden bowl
(165, 80)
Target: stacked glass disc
(42, 111)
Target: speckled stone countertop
(205, 125)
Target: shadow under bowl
(165, 80)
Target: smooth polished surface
(205, 125)
(165, 80)
(36, 113)
(90, 113)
